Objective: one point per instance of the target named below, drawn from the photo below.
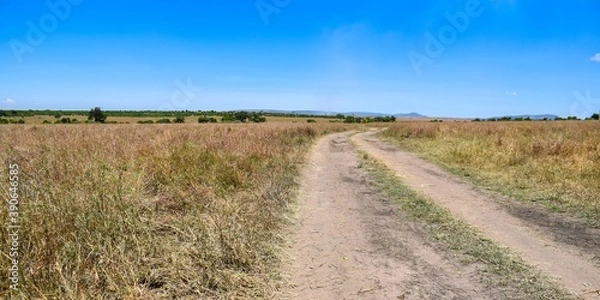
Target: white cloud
(595, 58)
(9, 101)
(511, 93)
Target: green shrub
(179, 119)
(205, 119)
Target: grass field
(554, 163)
(152, 211)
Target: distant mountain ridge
(412, 115)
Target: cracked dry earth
(351, 242)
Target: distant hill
(412, 115)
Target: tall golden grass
(151, 211)
(555, 163)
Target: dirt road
(351, 243)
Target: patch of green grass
(500, 268)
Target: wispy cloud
(9, 101)
(595, 58)
(509, 93)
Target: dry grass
(555, 163)
(152, 212)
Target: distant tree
(242, 116)
(595, 117)
(97, 115)
(340, 116)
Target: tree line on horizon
(97, 115)
(527, 118)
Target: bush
(311, 121)
(179, 120)
(205, 119)
(256, 118)
(163, 121)
(146, 122)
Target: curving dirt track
(572, 266)
(351, 243)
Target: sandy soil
(568, 259)
(351, 243)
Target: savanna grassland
(554, 163)
(152, 211)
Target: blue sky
(455, 58)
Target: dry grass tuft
(152, 212)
